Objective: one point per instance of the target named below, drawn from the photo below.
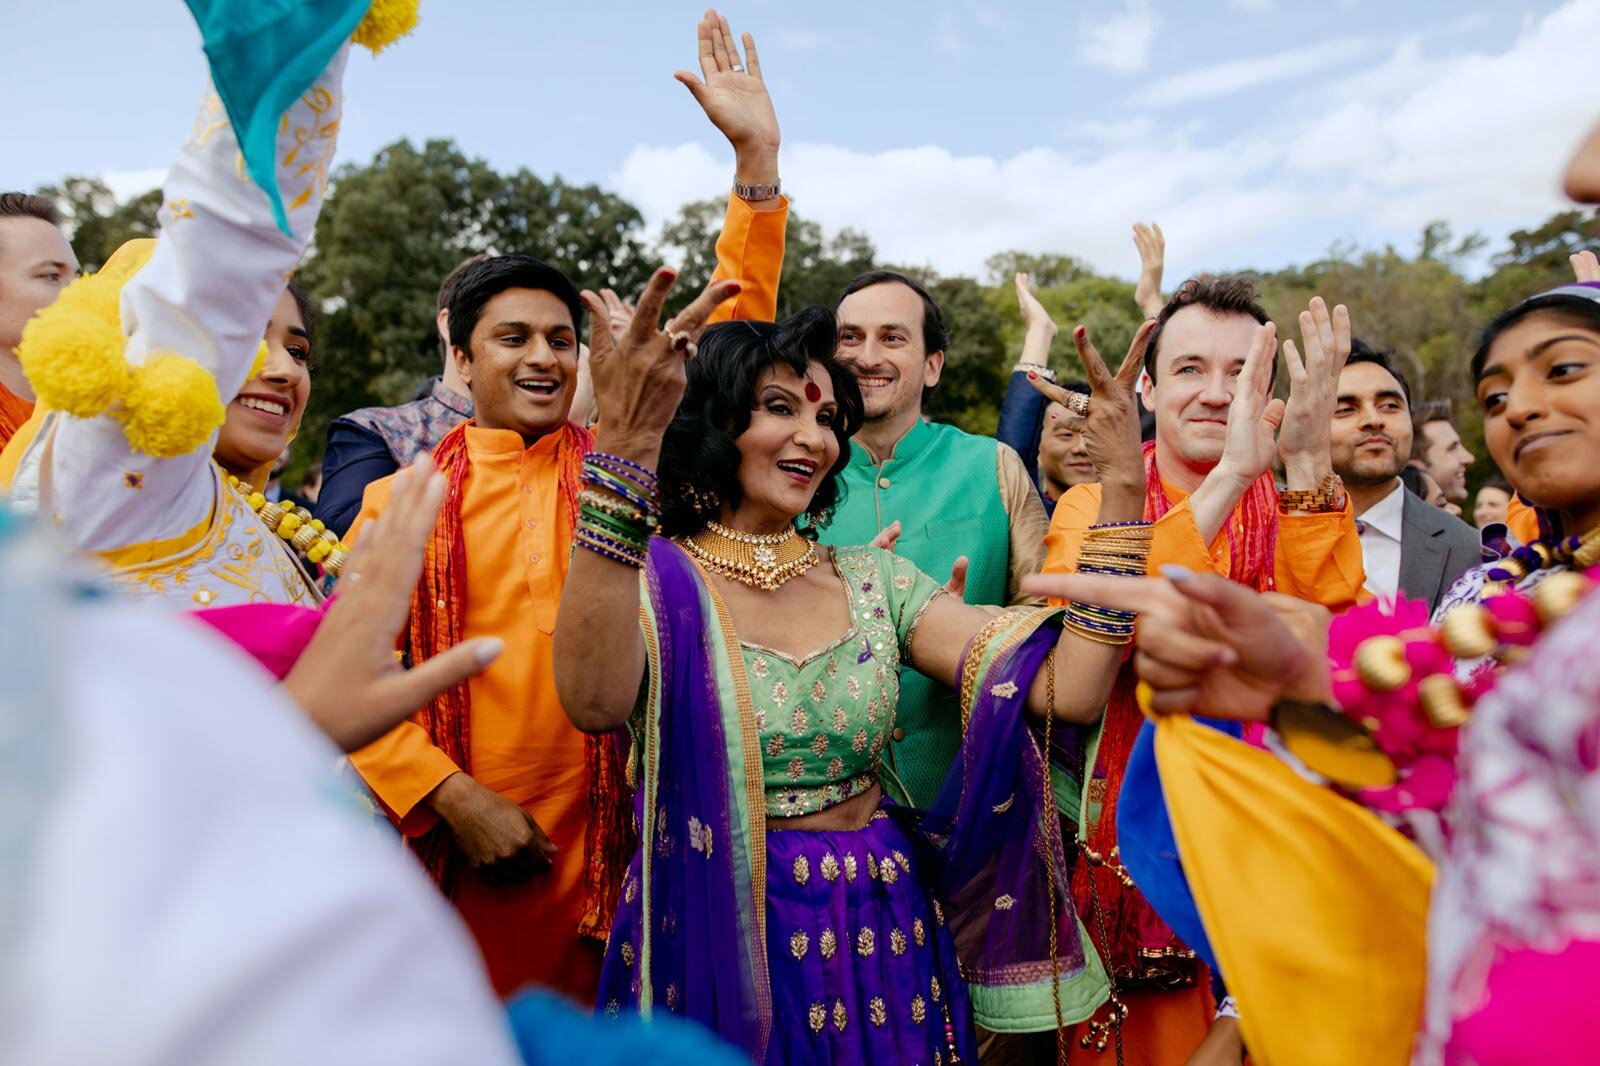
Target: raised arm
(217, 269)
(735, 99)
(1111, 428)
(1152, 245)
(638, 380)
(1022, 410)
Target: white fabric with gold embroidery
(172, 527)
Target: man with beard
(1406, 545)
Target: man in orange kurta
(1209, 473)
(517, 544)
(36, 263)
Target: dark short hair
(1578, 311)
(1497, 482)
(29, 205)
(482, 281)
(1411, 477)
(699, 453)
(1221, 294)
(1362, 352)
(447, 287)
(1421, 415)
(1077, 385)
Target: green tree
(96, 223)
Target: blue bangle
(615, 484)
(647, 479)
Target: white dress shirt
(1381, 526)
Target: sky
(1259, 133)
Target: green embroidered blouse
(824, 720)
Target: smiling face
(881, 343)
(263, 418)
(1446, 458)
(1490, 506)
(1371, 426)
(790, 445)
(1197, 369)
(1539, 391)
(523, 364)
(1064, 451)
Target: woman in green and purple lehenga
(777, 896)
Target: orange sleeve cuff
(402, 767)
(1319, 558)
(750, 249)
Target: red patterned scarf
(1139, 947)
(437, 619)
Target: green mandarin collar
(913, 444)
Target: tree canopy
(392, 228)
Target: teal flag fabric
(263, 54)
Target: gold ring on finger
(682, 341)
(1077, 403)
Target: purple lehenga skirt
(861, 965)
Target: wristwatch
(1324, 499)
(756, 192)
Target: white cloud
(125, 184)
(1119, 43)
(1236, 75)
(800, 39)
(1369, 154)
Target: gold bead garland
(297, 528)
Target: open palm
(732, 93)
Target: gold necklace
(760, 560)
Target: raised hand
(348, 680)
(1111, 425)
(1585, 267)
(735, 98)
(1152, 245)
(639, 377)
(1209, 645)
(1306, 436)
(1035, 319)
(888, 536)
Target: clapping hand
(1152, 245)
(1253, 417)
(1035, 319)
(1306, 437)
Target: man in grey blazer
(1407, 545)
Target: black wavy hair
(699, 454)
(1574, 310)
(482, 281)
(309, 316)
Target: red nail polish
(1032, 376)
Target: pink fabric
(273, 633)
(1533, 1008)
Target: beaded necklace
(760, 560)
(306, 535)
(1578, 551)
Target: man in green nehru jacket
(953, 494)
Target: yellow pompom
(385, 23)
(316, 524)
(74, 360)
(290, 523)
(319, 551)
(171, 407)
(256, 500)
(262, 354)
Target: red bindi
(812, 392)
